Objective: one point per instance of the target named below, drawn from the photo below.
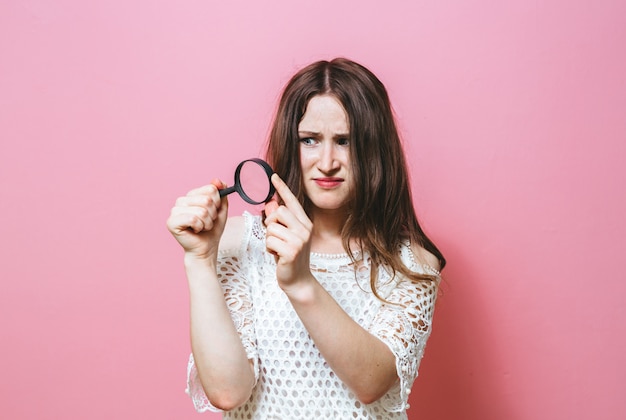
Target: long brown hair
(382, 215)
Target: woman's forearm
(362, 361)
(223, 367)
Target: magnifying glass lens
(254, 181)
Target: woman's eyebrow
(316, 134)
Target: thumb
(220, 185)
(271, 206)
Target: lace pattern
(293, 379)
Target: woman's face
(325, 154)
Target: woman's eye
(307, 141)
(343, 142)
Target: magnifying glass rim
(268, 170)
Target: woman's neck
(326, 236)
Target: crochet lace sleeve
(404, 325)
(237, 295)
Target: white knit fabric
(293, 381)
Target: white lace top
(293, 381)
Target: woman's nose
(328, 161)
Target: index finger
(290, 200)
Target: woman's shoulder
(237, 233)
(424, 259)
(233, 236)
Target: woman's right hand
(197, 220)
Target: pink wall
(515, 119)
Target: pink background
(514, 114)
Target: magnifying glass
(252, 181)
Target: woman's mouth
(329, 182)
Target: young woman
(321, 308)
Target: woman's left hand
(288, 237)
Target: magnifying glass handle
(228, 190)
